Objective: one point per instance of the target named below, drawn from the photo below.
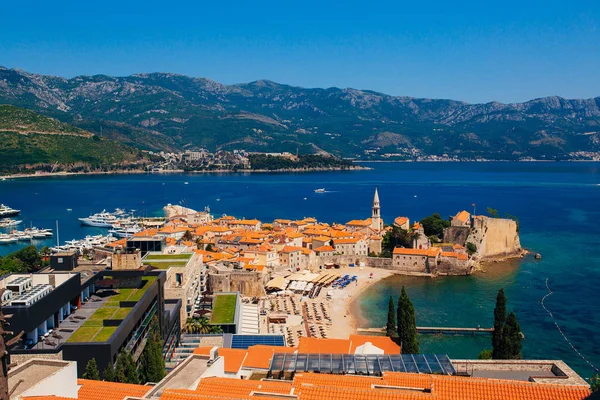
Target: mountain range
(163, 111)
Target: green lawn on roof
(105, 333)
(84, 334)
(101, 314)
(223, 311)
(167, 264)
(168, 257)
(121, 313)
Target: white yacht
(322, 190)
(6, 211)
(125, 232)
(8, 223)
(100, 220)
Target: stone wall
(453, 266)
(22, 358)
(456, 235)
(247, 283)
(374, 262)
(495, 237)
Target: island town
(238, 308)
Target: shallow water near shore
(557, 206)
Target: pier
(435, 330)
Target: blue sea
(557, 205)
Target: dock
(435, 330)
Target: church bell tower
(376, 221)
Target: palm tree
(191, 325)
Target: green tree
(126, 370)
(152, 363)
(471, 248)
(498, 344)
(91, 370)
(493, 212)
(29, 256)
(512, 337)
(485, 354)
(390, 329)
(109, 373)
(595, 383)
(209, 247)
(434, 225)
(407, 325)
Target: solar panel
(360, 364)
(245, 341)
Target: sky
(475, 51)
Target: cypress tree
(512, 337)
(152, 363)
(131, 371)
(498, 342)
(120, 375)
(109, 373)
(91, 370)
(390, 329)
(407, 325)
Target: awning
(279, 283)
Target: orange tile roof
(117, 243)
(462, 257)
(147, 232)
(359, 222)
(400, 221)
(432, 252)
(462, 216)
(346, 241)
(324, 248)
(290, 249)
(93, 390)
(417, 226)
(233, 358)
(383, 342)
(217, 386)
(203, 351)
(259, 356)
(311, 345)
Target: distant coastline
(180, 171)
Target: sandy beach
(343, 321)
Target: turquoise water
(557, 203)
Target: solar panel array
(359, 364)
(245, 341)
(31, 296)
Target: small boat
(322, 190)
(186, 183)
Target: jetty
(435, 330)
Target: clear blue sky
(465, 50)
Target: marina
(28, 234)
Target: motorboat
(6, 211)
(8, 223)
(322, 190)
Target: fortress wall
(495, 237)
(456, 234)
(247, 283)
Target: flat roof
(29, 374)
(185, 376)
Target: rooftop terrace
(166, 261)
(108, 307)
